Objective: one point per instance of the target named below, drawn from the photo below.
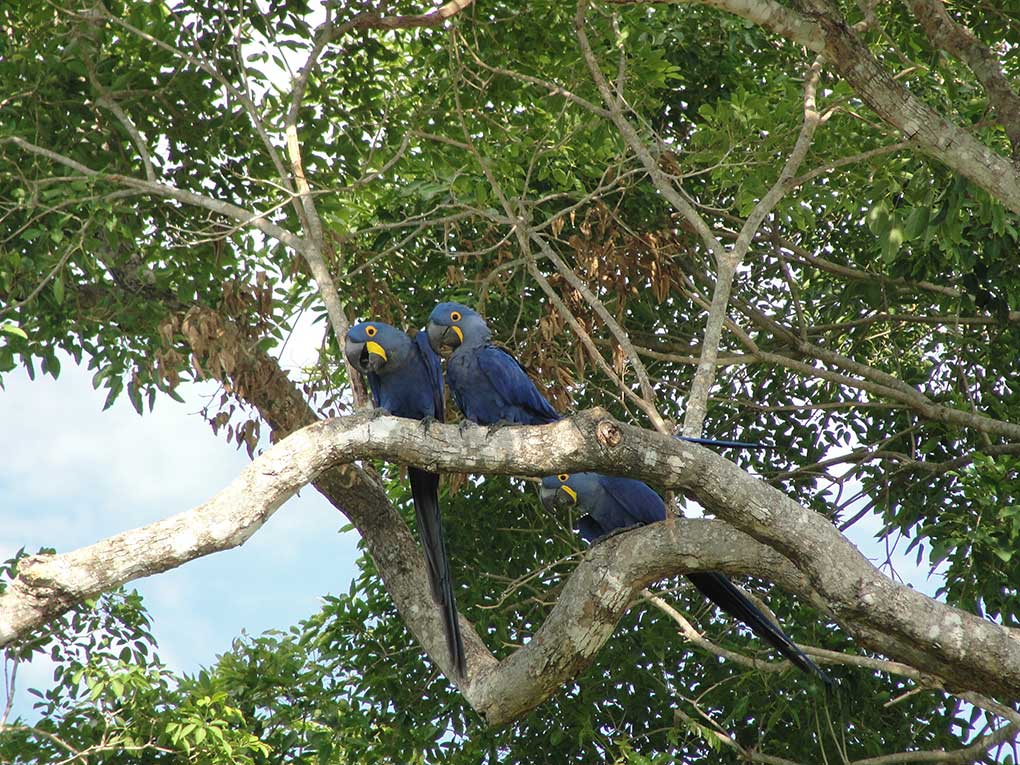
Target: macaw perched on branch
(406, 380)
(488, 384)
(491, 388)
(612, 504)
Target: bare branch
(700, 641)
(11, 308)
(751, 755)
(765, 13)
(228, 210)
(551, 87)
(961, 649)
(241, 96)
(619, 334)
(585, 338)
(971, 753)
(704, 377)
(659, 178)
(107, 100)
(48, 585)
(524, 236)
(851, 159)
(822, 29)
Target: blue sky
(79, 474)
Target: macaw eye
(370, 331)
(563, 477)
(454, 315)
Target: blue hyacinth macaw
(489, 385)
(406, 379)
(612, 504)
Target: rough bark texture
(780, 540)
(930, 130)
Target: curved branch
(704, 377)
(963, 650)
(970, 753)
(594, 598)
(629, 133)
(765, 13)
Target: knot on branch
(26, 564)
(42, 586)
(608, 433)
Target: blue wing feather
(433, 370)
(626, 502)
(509, 379)
(637, 499)
(716, 442)
(589, 528)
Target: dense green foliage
(422, 145)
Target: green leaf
(135, 397)
(13, 329)
(917, 222)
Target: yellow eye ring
(370, 331)
(563, 477)
(455, 316)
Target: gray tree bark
(771, 536)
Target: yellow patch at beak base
(570, 493)
(373, 347)
(460, 335)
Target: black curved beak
(441, 337)
(352, 351)
(365, 357)
(557, 498)
(548, 497)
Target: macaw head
(568, 490)
(373, 346)
(452, 325)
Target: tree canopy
(788, 223)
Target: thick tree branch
(825, 31)
(931, 131)
(765, 13)
(257, 379)
(948, 34)
(575, 631)
(966, 652)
